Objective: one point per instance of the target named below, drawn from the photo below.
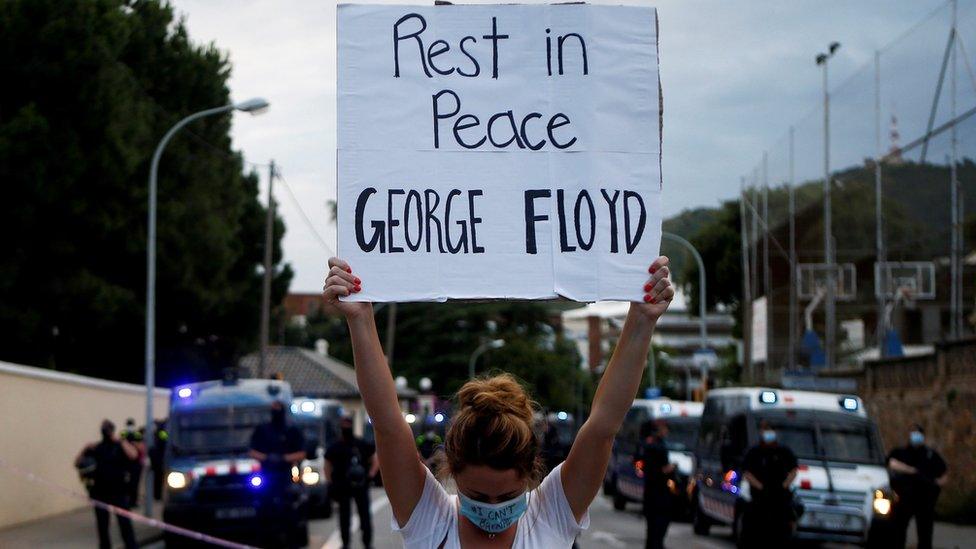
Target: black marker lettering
(641, 220)
(377, 225)
(531, 217)
(416, 35)
(612, 205)
(584, 244)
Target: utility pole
(829, 259)
(793, 289)
(746, 284)
(767, 283)
(266, 289)
(956, 323)
(882, 329)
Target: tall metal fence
(901, 143)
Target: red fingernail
(357, 288)
(358, 282)
(348, 269)
(647, 287)
(650, 269)
(647, 298)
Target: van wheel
(700, 524)
(619, 502)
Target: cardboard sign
(498, 151)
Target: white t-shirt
(547, 523)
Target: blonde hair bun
(501, 394)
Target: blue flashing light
(562, 416)
(308, 406)
(256, 481)
(849, 403)
(184, 392)
(768, 397)
(439, 417)
(666, 408)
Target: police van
(841, 481)
(212, 486)
(318, 418)
(624, 480)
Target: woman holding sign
(491, 451)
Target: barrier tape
(198, 536)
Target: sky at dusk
(735, 76)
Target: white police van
(624, 479)
(842, 481)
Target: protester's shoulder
(551, 505)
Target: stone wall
(939, 392)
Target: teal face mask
(494, 517)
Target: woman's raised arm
(584, 469)
(403, 473)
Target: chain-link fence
(891, 250)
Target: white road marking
(335, 540)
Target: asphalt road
(609, 529)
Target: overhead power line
(301, 211)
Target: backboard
(812, 278)
(916, 279)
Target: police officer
(350, 463)
(279, 447)
(769, 469)
(157, 457)
(918, 474)
(135, 437)
(113, 459)
(553, 452)
(657, 471)
(427, 445)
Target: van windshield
(826, 435)
(682, 434)
(222, 430)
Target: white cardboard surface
(386, 129)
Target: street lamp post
(703, 322)
(493, 344)
(829, 259)
(253, 106)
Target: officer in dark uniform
(135, 437)
(427, 444)
(769, 468)
(279, 447)
(351, 464)
(113, 459)
(658, 502)
(918, 474)
(157, 456)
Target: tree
(91, 88)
